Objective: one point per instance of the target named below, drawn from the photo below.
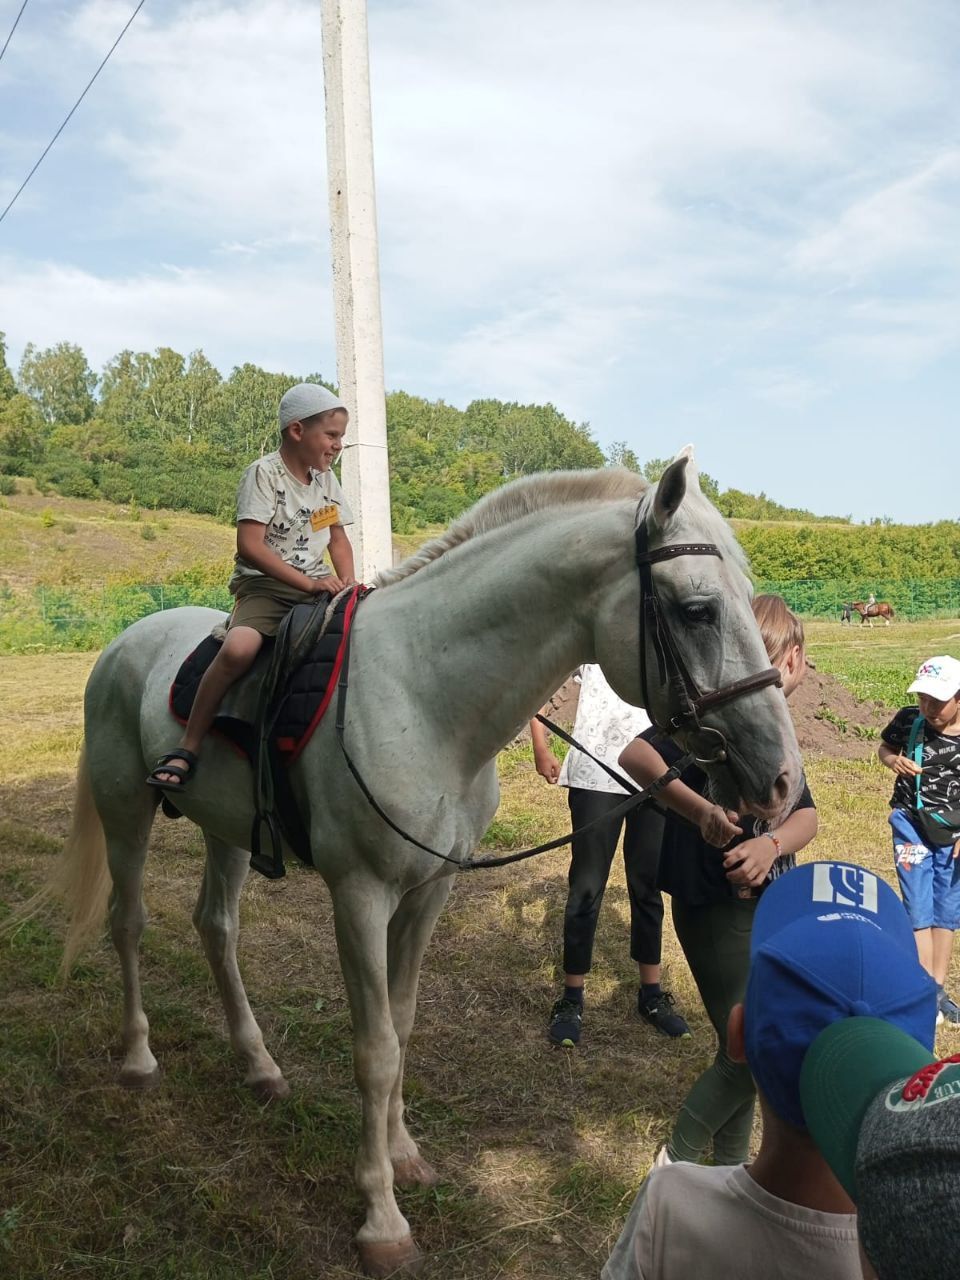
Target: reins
(672, 672)
(636, 796)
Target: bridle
(671, 668)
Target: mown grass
(877, 663)
(539, 1151)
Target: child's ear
(735, 1038)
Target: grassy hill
(56, 541)
(75, 570)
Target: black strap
(637, 797)
(619, 778)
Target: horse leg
(407, 937)
(217, 920)
(362, 909)
(126, 834)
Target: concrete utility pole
(356, 280)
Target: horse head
(745, 738)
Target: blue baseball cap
(830, 940)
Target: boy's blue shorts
(929, 878)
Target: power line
(12, 30)
(73, 108)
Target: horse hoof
(140, 1079)
(384, 1259)
(415, 1173)
(270, 1089)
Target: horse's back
(162, 639)
(134, 672)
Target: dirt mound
(828, 718)
(830, 721)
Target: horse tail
(81, 877)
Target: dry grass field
(540, 1150)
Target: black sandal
(178, 771)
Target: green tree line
(166, 430)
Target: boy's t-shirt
(692, 870)
(689, 1220)
(940, 780)
(298, 516)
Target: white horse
(459, 647)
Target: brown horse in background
(868, 612)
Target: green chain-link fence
(910, 597)
(89, 617)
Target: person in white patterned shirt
(605, 725)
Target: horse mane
(521, 498)
(547, 489)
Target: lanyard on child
(915, 752)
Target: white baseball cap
(938, 677)
(304, 400)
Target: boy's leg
(946, 917)
(915, 874)
(924, 940)
(236, 656)
(642, 838)
(941, 947)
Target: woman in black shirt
(714, 864)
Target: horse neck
(502, 621)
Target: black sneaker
(565, 1022)
(659, 1013)
(949, 1009)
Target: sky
(734, 223)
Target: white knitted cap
(304, 400)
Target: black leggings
(718, 1110)
(592, 856)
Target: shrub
(7, 485)
(147, 532)
(47, 518)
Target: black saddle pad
(304, 690)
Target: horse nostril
(781, 788)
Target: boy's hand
(330, 583)
(717, 826)
(548, 766)
(904, 767)
(750, 862)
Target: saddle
(273, 711)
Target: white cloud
(271, 317)
(683, 203)
(912, 218)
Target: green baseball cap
(843, 1071)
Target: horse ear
(671, 488)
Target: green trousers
(718, 1110)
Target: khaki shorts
(263, 603)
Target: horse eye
(697, 613)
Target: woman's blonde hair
(780, 627)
